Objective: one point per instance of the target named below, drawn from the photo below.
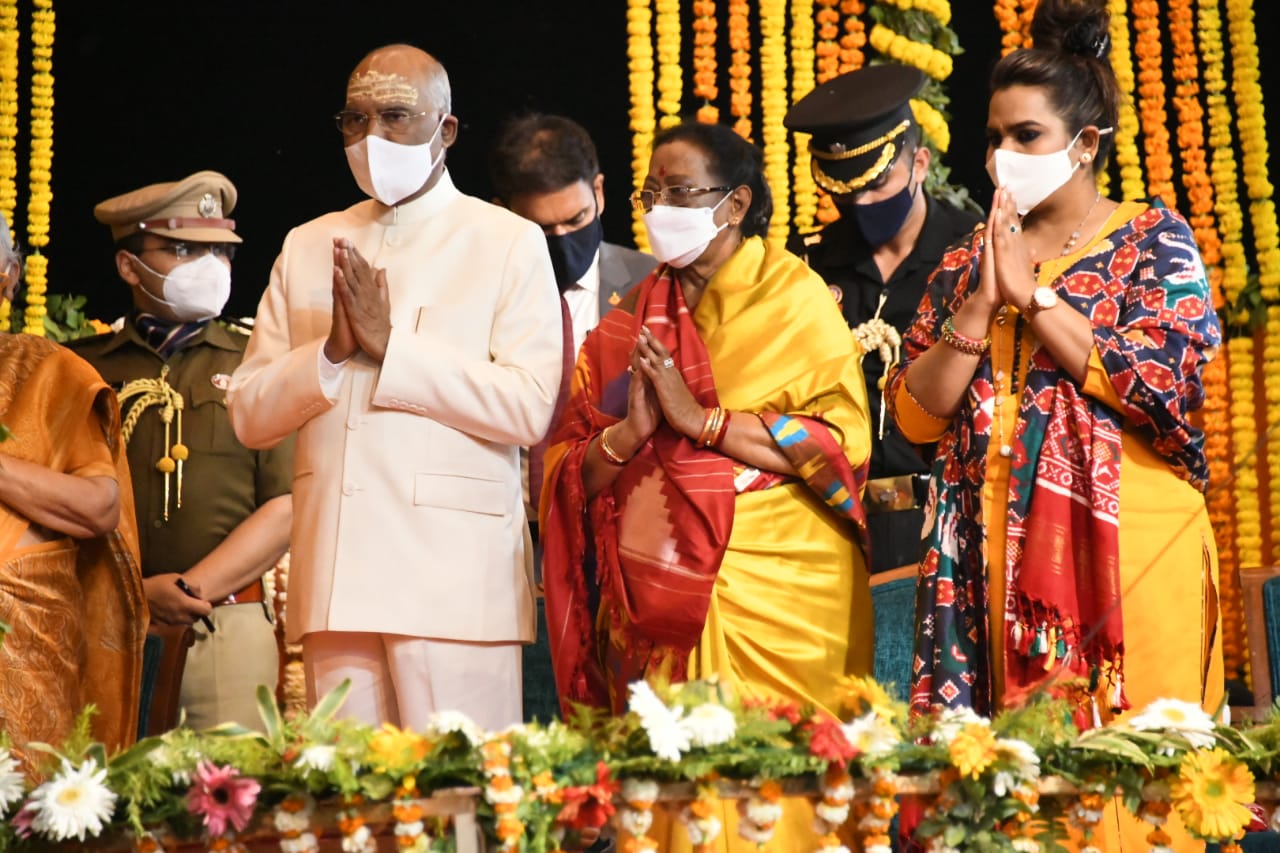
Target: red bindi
(662, 171)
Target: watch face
(1045, 297)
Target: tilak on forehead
(382, 87)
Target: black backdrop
(150, 91)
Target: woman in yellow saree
(701, 511)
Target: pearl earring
(1086, 157)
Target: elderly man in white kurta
(413, 342)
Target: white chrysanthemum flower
(317, 757)
(871, 824)
(702, 830)
(834, 815)
(513, 794)
(1022, 755)
(635, 821)
(12, 782)
(1026, 845)
(667, 738)
(639, 790)
(1174, 715)
(74, 803)
(287, 821)
(1003, 783)
(754, 833)
(414, 828)
(877, 848)
(360, 841)
(709, 724)
(834, 847)
(447, 722)
(762, 812)
(304, 843)
(872, 735)
(952, 720)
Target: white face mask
(679, 235)
(194, 291)
(1033, 177)
(390, 171)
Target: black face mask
(880, 221)
(573, 253)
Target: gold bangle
(708, 422)
(962, 342)
(608, 452)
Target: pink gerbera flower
(221, 796)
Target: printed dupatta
(1145, 291)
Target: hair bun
(1079, 27)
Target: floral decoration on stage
(1015, 782)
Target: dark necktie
(539, 450)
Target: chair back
(164, 660)
(893, 601)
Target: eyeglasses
(182, 251)
(671, 196)
(393, 120)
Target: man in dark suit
(544, 168)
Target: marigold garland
(899, 48)
(704, 60)
(1222, 168)
(932, 123)
(740, 69)
(1024, 21)
(8, 124)
(803, 56)
(773, 107)
(643, 122)
(1244, 436)
(1253, 145)
(1151, 98)
(1126, 134)
(42, 29)
(1271, 390)
(827, 48)
(1195, 170)
(1006, 12)
(1217, 449)
(670, 76)
(940, 9)
(855, 36)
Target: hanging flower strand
(8, 124)
(1222, 166)
(1253, 145)
(670, 79)
(1127, 158)
(1151, 97)
(704, 60)
(773, 107)
(1006, 12)
(855, 36)
(42, 27)
(803, 57)
(740, 69)
(640, 64)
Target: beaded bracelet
(609, 453)
(962, 342)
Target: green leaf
(273, 723)
(331, 702)
(953, 835)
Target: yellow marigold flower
(393, 750)
(1211, 792)
(973, 750)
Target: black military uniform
(859, 122)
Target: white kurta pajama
(408, 517)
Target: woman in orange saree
(70, 585)
(702, 506)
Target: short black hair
(539, 153)
(732, 161)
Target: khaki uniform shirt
(223, 482)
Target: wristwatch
(1042, 299)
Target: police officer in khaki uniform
(213, 516)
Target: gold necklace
(1075, 235)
